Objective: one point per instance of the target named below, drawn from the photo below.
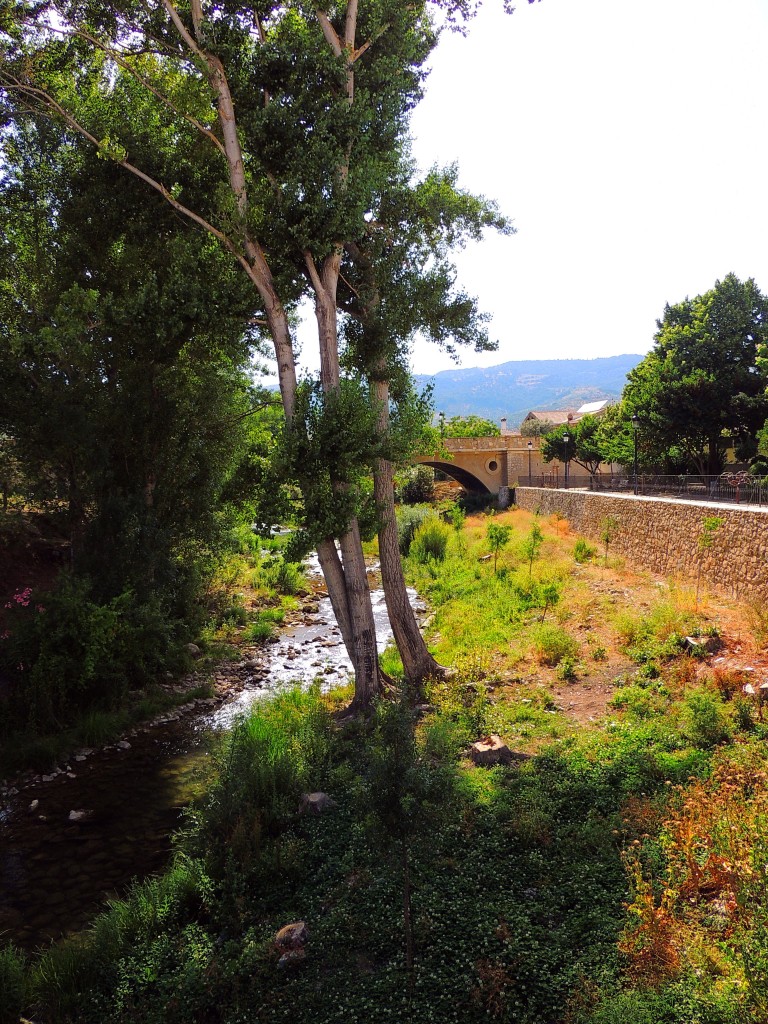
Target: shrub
(12, 984)
(583, 551)
(552, 644)
(430, 541)
(419, 487)
(70, 653)
(705, 720)
(408, 521)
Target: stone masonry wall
(661, 535)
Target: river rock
(316, 803)
(493, 750)
(194, 651)
(123, 745)
(292, 958)
(81, 817)
(292, 936)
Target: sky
(626, 141)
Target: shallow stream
(57, 868)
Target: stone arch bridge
(487, 465)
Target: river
(75, 838)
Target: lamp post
(441, 419)
(635, 425)
(530, 449)
(566, 439)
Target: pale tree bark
(368, 676)
(418, 663)
(347, 581)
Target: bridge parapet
(504, 442)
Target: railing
(733, 488)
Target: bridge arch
(462, 476)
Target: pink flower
(40, 608)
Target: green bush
(68, 653)
(409, 519)
(430, 541)
(583, 551)
(551, 644)
(12, 984)
(705, 719)
(419, 486)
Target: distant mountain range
(513, 389)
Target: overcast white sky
(628, 143)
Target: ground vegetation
(611, 872)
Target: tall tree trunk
(418, 663)
(362, 628)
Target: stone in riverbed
(493, 750)
(292, 936)
(194, 651)
(81, 816)
(316, 803)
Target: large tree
(399, 281)
(583, 445)
(302, 110)
(124, 402)
(699, 389)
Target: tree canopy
(700, 388)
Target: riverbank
(438, 887)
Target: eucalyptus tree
(301, 108)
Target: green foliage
(419, 486)
(409, 519)
(583, 445)
(551, 644)
(532, 547)
(706, 720)
(583, 551)
(701, 385)
(470, 426)
(498, 537)
(430, 541)
(457, 517)
(73, 653)
(273, 755)
(13, 984)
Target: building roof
(556, 416)
(593, 408)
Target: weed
(12, 984)
(583, 551)
(552, 644)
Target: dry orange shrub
(710, 843)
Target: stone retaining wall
(661, 535)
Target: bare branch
(361, 50)
(314, 277)
(329, 32)
(181, 28)
(350, 26)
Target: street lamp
(530, 449)
(566, 439)
(635, 425)
(441, 419)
